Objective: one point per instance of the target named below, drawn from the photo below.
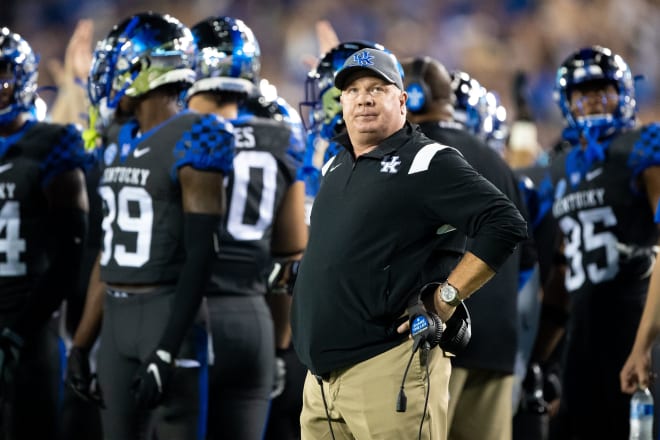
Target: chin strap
(580, 160)
(594, 151)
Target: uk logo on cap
(363, 59)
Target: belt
(120, 293)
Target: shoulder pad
(645, 151)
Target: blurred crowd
(591, 206)
(491, 39)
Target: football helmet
(17, 57)
(140, 54)
(470, 107)
(495, 127)
(321, 107)
(592, 64)
(228, 56)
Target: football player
(80, 419)
(265, 221)
(606, 189)
(43, 219)
(470, 105)
(163, 199)
(451, 109)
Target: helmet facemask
(591, 69)
(19, 67)
(141, 54)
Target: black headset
(426, 330)
(425, 327)
(457, 330)
(419, 92)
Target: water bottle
(641, 415)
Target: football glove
(80, 379)
(636, 261)
(152, 379)
(540, 387)
(280, 377)
(10, 348)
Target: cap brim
(344, 74)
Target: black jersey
(142, 218)
(265, 165)
(29, 160)
(538, 195)
(602, 210)
(501, 292)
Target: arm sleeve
(466, 200)
(198, 240)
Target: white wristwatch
(449, 294)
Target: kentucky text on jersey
(133, 176)
(578, 200)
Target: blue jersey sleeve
(296, 149)
(208, 146)
(67, 153)
(646, 150)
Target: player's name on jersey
(7, 190)
(132, 176)
(578, 200)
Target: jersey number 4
(11, 243)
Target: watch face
(448, 293)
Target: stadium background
(491, 40)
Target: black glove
(533, 400)
(280, 377)
(540, 387)
(151, 380)
(551, 385)
(80, 378)
(10, 348)
(636, 261)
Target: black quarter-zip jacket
(374, 224)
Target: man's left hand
(151, 380)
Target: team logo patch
(139, 152)
(390, 164)
(363, 59)
(415, 97)
(110, 154)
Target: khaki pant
(480, 405)
(362, 399)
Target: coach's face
(373, 110)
